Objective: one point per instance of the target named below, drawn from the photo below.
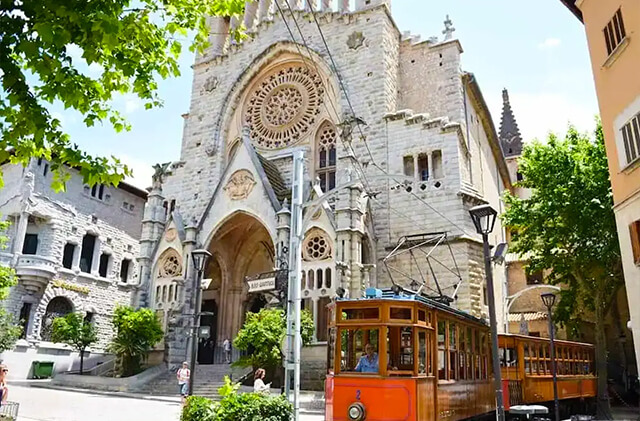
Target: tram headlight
(356, 412)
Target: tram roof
(410, 296)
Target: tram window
(453, 350)
(422, 316)
(430, 353)
(360, 313)
(508, 357)
(359, 350)
(400, 348)
(331, 350)
(462, 372)
(422, 352)
(442, 356)
(400, 313)
(469, 358)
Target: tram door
(206, 346)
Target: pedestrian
(226, 345)
(258, 382)
(4, 390)
(183, 376)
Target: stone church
(398, 143)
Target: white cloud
(549, 43)
(142, 171)
(132, 103)
(539, 113)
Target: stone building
(73, 251)
(391, 128)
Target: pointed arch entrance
(241, 246)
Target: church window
(319, 278)
(164, 293)
(407, 163)
(310, 279)
(175, 293)
(436, 158)
(283, 106)
(57, 307)
(423, 167)
(67, 256)
(327, 278)
(158, 294)
(88, 317)
(170, 292)
(103, 269)
(86, 253)
(326, 156)
(30, 245)
(170, 265)
(316, 246)
(322, 319)
(125, 268)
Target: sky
(535, 49)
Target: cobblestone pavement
(37, 404)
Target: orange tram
(396, 355)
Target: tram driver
(369, 362)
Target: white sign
(258, 285)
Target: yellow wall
(618, 83)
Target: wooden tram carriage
(434, 363)
(525, 363)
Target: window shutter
(634, 229)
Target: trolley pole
(294, 339)
(497, 378)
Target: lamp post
(484, 219)
(549, 300)
(200, 257)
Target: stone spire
(510, 138)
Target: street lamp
(200, 258)
(484, 219)
(549, 300)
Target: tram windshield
(359, 350)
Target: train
(398, 355)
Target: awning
(528, 316)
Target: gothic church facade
(391, 128)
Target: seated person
(369, 362)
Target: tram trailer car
(525, 363)
(401, 356)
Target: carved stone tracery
(170, 265)
(316, 246)
(240, 184)
(283, 106)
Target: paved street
(38, 404)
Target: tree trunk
(81, 361)
(603, 407)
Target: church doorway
(241, 247)
(206, 346)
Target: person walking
(226, 345)
(4, 390)
(183, 376)
(258, 382)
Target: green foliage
(567, 230)
(7, 274)
(45, 53)
(237, 407)
(262, 335)
(137, 331)
(74, 331)
(9, 331)
(198, 408)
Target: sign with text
(266, 284)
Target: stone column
(250, 13)
(218, 35)
(416, 172)
(21, 231)
(95, 261)
(153, 223)
(430, 164)
(264, 10)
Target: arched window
(326, 156)
(57, 307)
(319, 278)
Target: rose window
(316, 247)
(171, 267)
(284, 106)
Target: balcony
(35, 272)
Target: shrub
(137, 331)
(237, 407)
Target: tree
(46, 49)
(262, 335)
(137, 331)
(9, 331)
(567, 230)
(74, 331)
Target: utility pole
(294, 339)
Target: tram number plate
(357, 395)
